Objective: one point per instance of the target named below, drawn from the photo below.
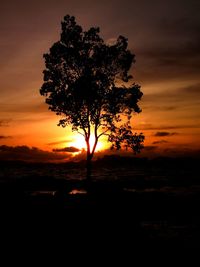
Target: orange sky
(163, 36)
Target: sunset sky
(164, 36)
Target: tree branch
(81, 133)
(104, 133)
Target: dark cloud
(168, 127)
(24, 108)
(160, 134)
(179, 54)
(174, 53)
(4, 122)
(181, 26)
(183, 100)
(157, 69)
(191, 90)
(177, 95)
(26, 153)
(158, 108)
(59, 142)
(5, 137)
(160, 142)
(150, 148)
(70, 149)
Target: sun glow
(80, 143)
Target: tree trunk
(88, 168)
(88, 163)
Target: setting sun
(79, 142)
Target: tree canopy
(87, 83)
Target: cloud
(175, 96)
(70, 149)
(178, 54)
(33, 154)
(59, 142)
(193, 89)
(150, 148)
(158, 108)
(28, 107)
(174, 54)
(160, 64)
(160, 142)
(182, 26)
(5, 137)
(5, 123)
(168, 127)
(160, 134)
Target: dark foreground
(108, 212)
(143, 212)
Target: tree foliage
(87, 83)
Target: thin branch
(81, 133)
(104, 133)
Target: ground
(157, 213)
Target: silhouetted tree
(86, 81)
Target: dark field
(130, 202)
